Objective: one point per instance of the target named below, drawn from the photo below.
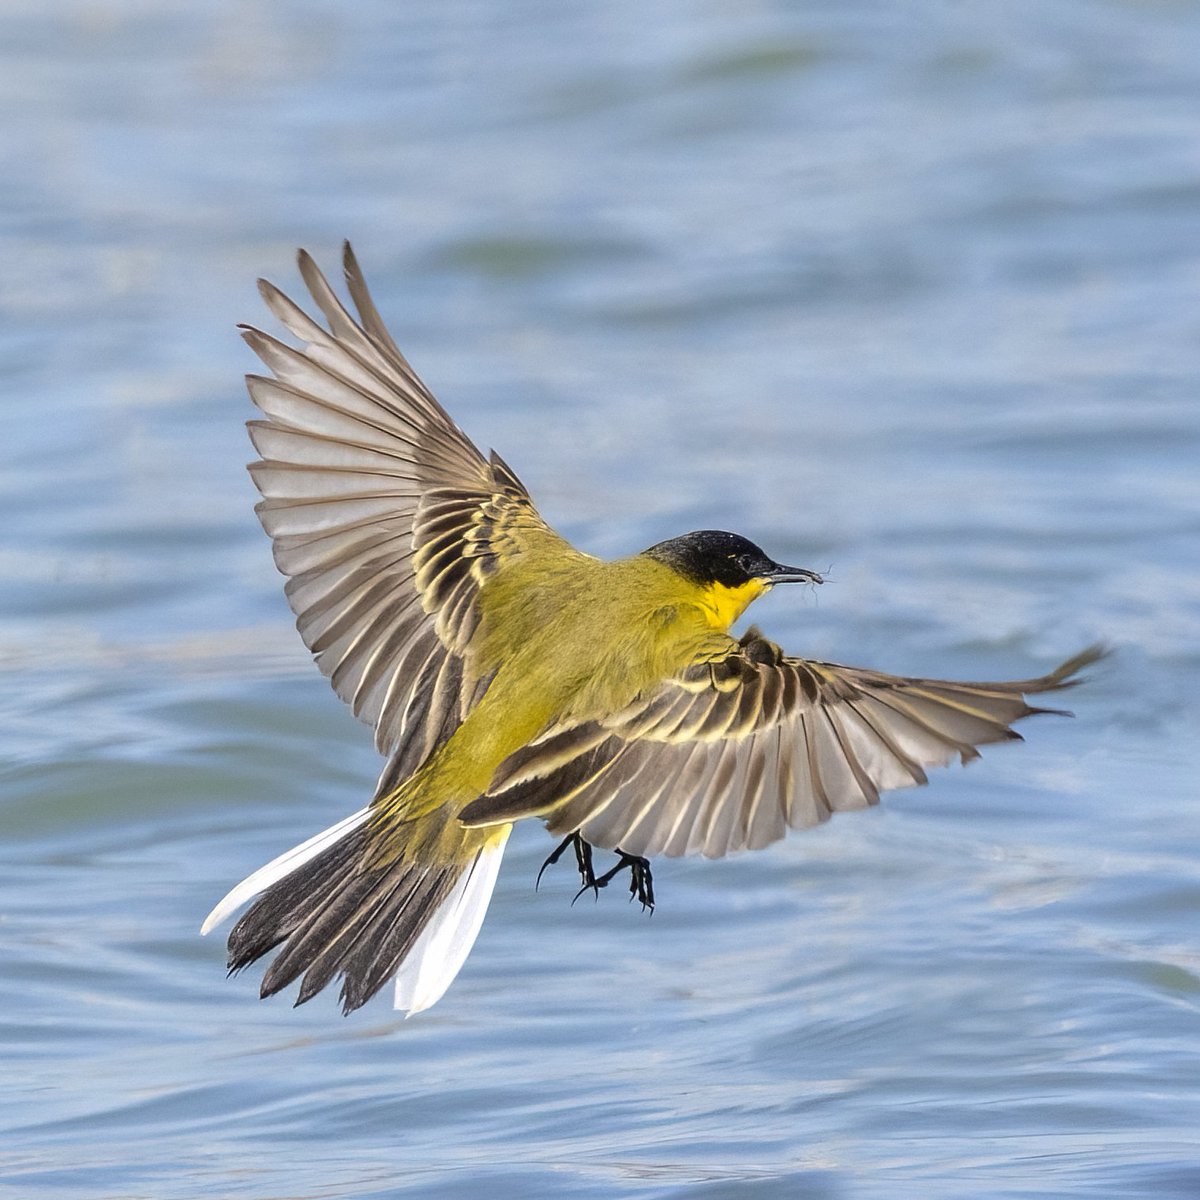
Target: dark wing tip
(1092, 654)
(504, 475)
(1067, 674)
(353, 274)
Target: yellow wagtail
(509, 675)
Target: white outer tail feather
(277, 868)
(439, 953)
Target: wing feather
(385, 517)
(688, 794)
(731, 753)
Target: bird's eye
(746, 563)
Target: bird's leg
(583, 861)
(641, 880)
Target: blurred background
(907, 293)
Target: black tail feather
(334, 916)
(389, 896)
(320, 932)
(386, 941)
(284, 906)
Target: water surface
(910, 293)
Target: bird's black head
(714, 556)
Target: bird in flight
(507, 675)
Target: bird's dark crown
(714, 556)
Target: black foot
(583, 862)
(641, 881)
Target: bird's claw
(583, 863)
(641, 880)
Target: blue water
(911, 292)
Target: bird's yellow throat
(725, 604)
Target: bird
(509, 675)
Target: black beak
(778, 573)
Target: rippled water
(912, 291)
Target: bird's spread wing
(384, 516)
(733, 752)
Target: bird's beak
(778, 573)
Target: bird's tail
(337, 915)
